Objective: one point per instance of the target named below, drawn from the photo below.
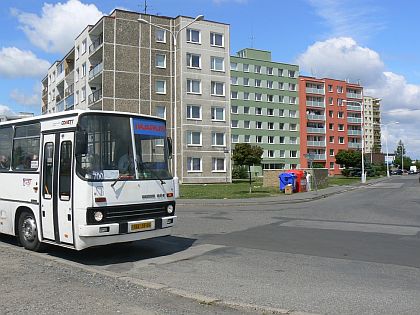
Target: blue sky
(375, 42)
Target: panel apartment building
(265, 107)
(121, 64)
(372, 117)
(331, 120)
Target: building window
(331, 113)
(83, 69)
(194, 164)
(292, 100)
(292, 73)
(331, 152)
(258, 125)
(269, 70)
(270, 112)
(193, 61)
(234, 124)
(218, 113)
(193, 36)
(270, 125)
(340, 127)
(292, 113)
(331, 139)
(234, 109)
(339, 102)
(234, 80)
(293, 140)
(331, 165)
(292, 87)
(258, 111)
(235, 138)
(233, 66)
(84, 46)
(246, 81)
(217, 88)
(218, 138)
(281, 112)
(83, 97)
(76, 97)
(246, 110)
(160, 111)
(194, 112)
(160, 61)
(270, 153)
(217, 39)
(340, 115)
(282, 153)
(218, 164)
(247, 139)
(330, 101)
(270, 139)
(77, 52)
(330, 88)
(341, 140)
(280, 72)
(217, 64)
(292, 127)
(246, 67)
(160, 36)
(269, 84)
(281, 86)
(339, 89)
(160, 87)
(257, 69)
(193, 86)
(247, 124)
(293, 154)
(257, 83)
(258, 139)
(194, 138)
(77, 74)
(281, 140)
(258, 96)
(331, 126)
(281, 99)
(234, 95)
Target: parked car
(397, 172)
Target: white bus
(85, 178)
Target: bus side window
(48, 170)
(6, 136)
(65, 170)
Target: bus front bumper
(130, 227)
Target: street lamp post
(174, 116)
(362, 124)
(386, 144)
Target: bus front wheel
(28, 232)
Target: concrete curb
(245, 202)
(199, 298)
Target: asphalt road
(352, 253)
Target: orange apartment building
(330, 120)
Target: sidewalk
(280, 199)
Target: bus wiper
(144, 165)
(120, 177)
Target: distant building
(265, 107)
(16, 116)
(330, 120)
(120, 64)
(372, 120)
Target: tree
(350, 158)
(399, 153)
(245, 154)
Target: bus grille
(125, 213)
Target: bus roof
(71, 113)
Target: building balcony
(354, 95)
(315, 143)
(94, 97)
(355, 145)
(97, 70)
(44, 91)
(60, 106)
(315, 104)
(354, 120)
(315, 117)
(69, 102)
(69, 90)
(315, 91)
(96, 44)
(354, 108)
(354, 132)
(315, 130)
(319, 157)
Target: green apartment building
(265, 107)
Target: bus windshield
(123, 147)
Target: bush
(239, 172)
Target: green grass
(339, 181)
(236, 190)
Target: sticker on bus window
(34, 164)
(111, 174)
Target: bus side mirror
(81, 142)
(169, 140)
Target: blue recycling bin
(287, 179)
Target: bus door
(57, 188)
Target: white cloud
(26, 100)
(58, 25)
(16, 63)
(342, 58)
(5, 110)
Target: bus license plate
(135, 227)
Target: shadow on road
(116, 253)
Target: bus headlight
(98, 216)
(170, 209)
